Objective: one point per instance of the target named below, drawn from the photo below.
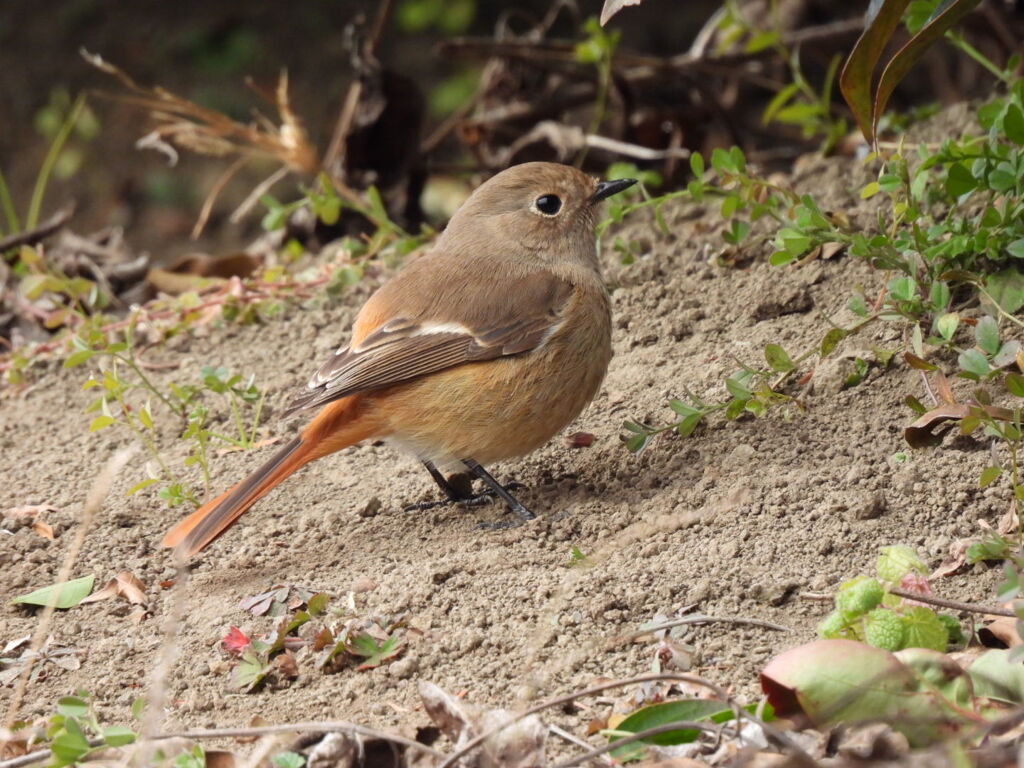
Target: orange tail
(339, 425)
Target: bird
(479, 350)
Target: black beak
(609, 188)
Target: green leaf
(856, 77)
(737, 390)
(69, 747)
(697, 164)
(138, 707)
(637, 443)
(288, 760)
(924, 629)
(959, 180)
(946, 16)
(997, 674)
(897, 561)
(779, 100)
(1013, 124)
(141, 484)
(77, 358)
(118, 735)
(778, 359)
(1016, 249)
(903, 288)
(680, 407)
(986, 334)
(366, 646)
(1014, 384)
(870, 190)
(67, 594)
(831, 341)
(1006, 287)
(989, 476)
(691, 710)
(688, 424)
(974, 362)
(72, 706)
(793, 241)
(947, 325)
(100, 422)
(857, 305)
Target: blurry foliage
(449, 17)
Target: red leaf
(235, 641)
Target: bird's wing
(433, 316)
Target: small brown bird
(480, 350)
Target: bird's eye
(549, 205)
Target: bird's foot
(476, 500)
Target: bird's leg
(497, 487)
(458, 489)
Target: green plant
(58, 122)
(797, 103)
(865, 610)
(597, 48)
(122, 385)
(75, 730)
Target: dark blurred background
(204, 49)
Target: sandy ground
(739, 519)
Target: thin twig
(44, 230)
(953, 605)
(823, 596)
(566, 736)
(214, 193)
(478, 740)
(257, 192)
(698, 619)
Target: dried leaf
(580, 440)
(955, 562)
(30, 513)
(855, 79)
(218, 758)
(611, 7)
(919, 434)
(455, 718)
(286, 665)
(15, 644)
(43, 529)
(946, 15)
(1000, 632)
(125, 585)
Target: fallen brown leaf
(920, 435)
(580, 440)
(125, 585)
(43, 529)
(955, 562)
(29, 513)
(285, 664)
(1000, 632)
(216, 758)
